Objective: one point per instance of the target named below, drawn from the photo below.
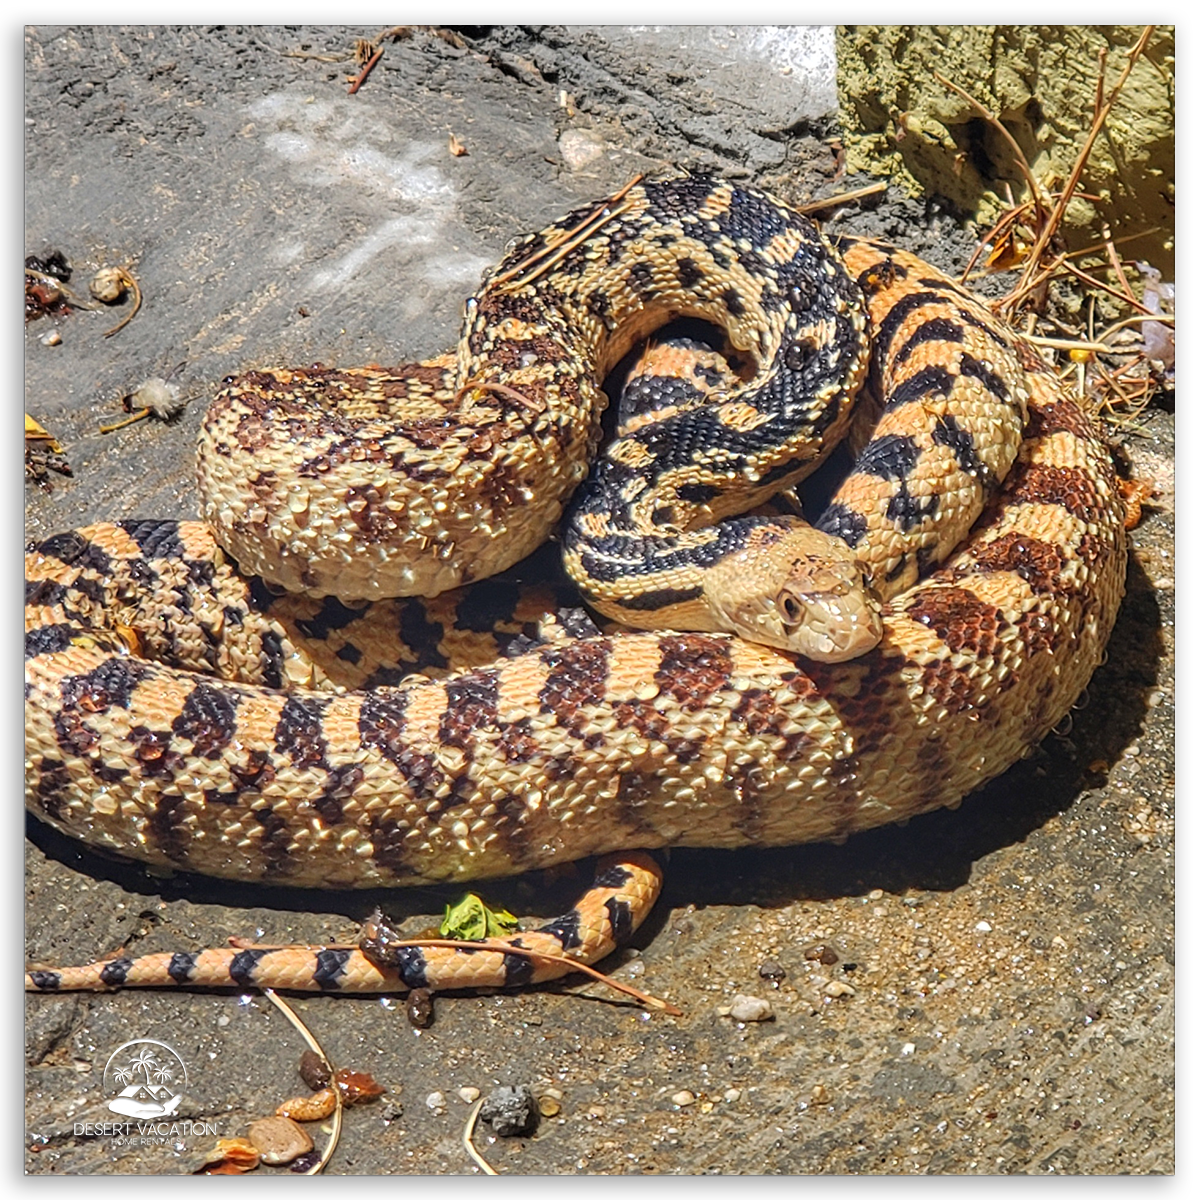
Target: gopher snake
(184, 713)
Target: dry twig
(368, 67)
(468, 1130)
(813, 206)
(539, 262)
(1026, 236)
(1030, 276)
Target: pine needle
(468, 1130)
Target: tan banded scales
(626, 740)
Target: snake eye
(793, 610)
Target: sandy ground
(1001, 999)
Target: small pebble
(51, 338)
(306, 1162)
(469, 1094)
(314, 1070)
(510, 1111)
(822, 953)
(436, 1101)
(419, 1008)
(770, 969)
(751, 1008)
(683, 1098)
(821, 1094)
(732, 1094)
(279, 1140)
(836, 988)
(983, 927)
(549, 1099)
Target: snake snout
(830, 616)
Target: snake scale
(252, 698)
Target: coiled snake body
(181, 711)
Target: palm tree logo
(137, 1078)
(143, 1061)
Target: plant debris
(53, 264)
(279, 1140)
(1135, 492)
(314, 1070)
(468, 1145)
(1158, 337)
(45, 294)
(109, 285)
(356, 1087)
(155, 397)
(231, 1156)
(43, 454)
(368, 52)
(1081, 307)
(419, 1008)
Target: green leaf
(470, 920)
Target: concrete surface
(1001, 999)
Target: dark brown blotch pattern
(964, 622)
(208, 719)
(693, 669)
(1065, 486)
(1039, 563)
(470, 709)
(299, 734)
(576, 681)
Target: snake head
(797, 589)
(828, 613)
